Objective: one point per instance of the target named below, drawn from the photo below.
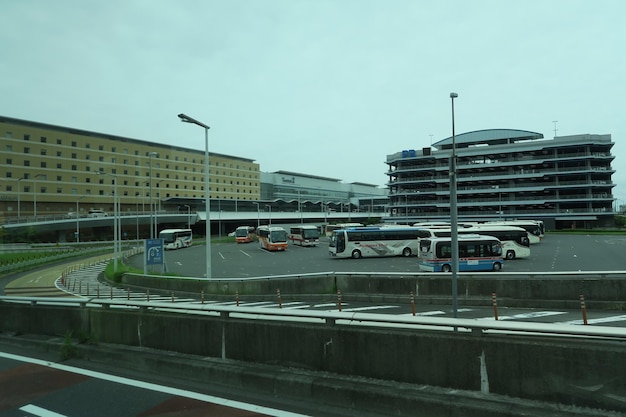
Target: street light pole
(270, 217)
(150, 155)
(35, 196)
(116, 220)
(188, 215)
(78, 221)
(18, 198)
(207, 195)
(454, 216)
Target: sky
(319, 87)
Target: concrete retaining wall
(580, 372)
(560, 290)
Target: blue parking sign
(154, 251)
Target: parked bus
(331, 227)
(305, 235)
(515, 242)
(244, 234)
(176, 238)
(358, 242)
(476, 253)
(273, 238)
(534, 228)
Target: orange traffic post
(583, 308)
(412, 303)
(495, 305)
(172, 296)
(280, 302)
(237, 298)
(202, 296)
(339, 300)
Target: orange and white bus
(273, 238)
(244, 234)
(304, 235)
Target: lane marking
(38, 411)
(245, 253)
(533, 315)
(609, 319)
(155, 387)
(369, 308)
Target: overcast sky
(321, 87)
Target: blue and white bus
(176, 238)
(358, 242)
(476, 253)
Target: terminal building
(505, 174)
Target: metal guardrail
(338, 318)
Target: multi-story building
(48, 169)
(506, 174)
(323, 192)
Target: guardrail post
(202, 296)
(583, 308)
(495, 305)
(280, 302)
(412, 303)
(148, 295)
(128, 293)
(172, 296)
(339, 300)
(237, 298)
(80, 284)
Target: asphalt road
(557, 252)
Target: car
(97, 213)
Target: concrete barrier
(581, 372)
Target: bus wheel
(356, 254)
(497, 266)
(510, 254)
(406, 252)
(446, 268)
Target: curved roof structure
(487, 137)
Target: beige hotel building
(51, 170)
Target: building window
(59, 142)
(43, 165)
(43, 139)
(26, 137)
(73, 156)
(26, 150)
(59, 166)
(9, 161)
(42, 152)
(59, 190)
(9, 148)
(26, 163)
(74, 143)
(74, 168)
(59, 153)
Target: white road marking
(533, 315)
(153, 387)
(597, 321)
(38, 411)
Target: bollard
(339, 300)
(87, 289)
(80, 284)
(237, 298)
(495, 305)
(412, 303)
(148, 295)
(280, 302)
(128, 293)
(583, 309)
(201, 296)
(172, 296)
(111, 296)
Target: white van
(97, 213)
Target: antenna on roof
(555, 129)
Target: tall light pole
(258, 214)
(78, 220)
(116, 220)
(454, 241)
(188, 215)
(270, 218)
(35, 195)
(18, 198)
(207, 195)
(150, 155)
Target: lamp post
(116, 219)
(258, 214)
(188, 215)
(207, 196)
(454, 241)
(18, 198)
(78, 220)
(270, 218)
(150, 155)
(35, 195)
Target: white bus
(305, 235)
(331, 227)
(476, 253)
(176, 238)
(534, 228)
(272, 238)
(358, 242)
(244, 234)
(515, 242)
